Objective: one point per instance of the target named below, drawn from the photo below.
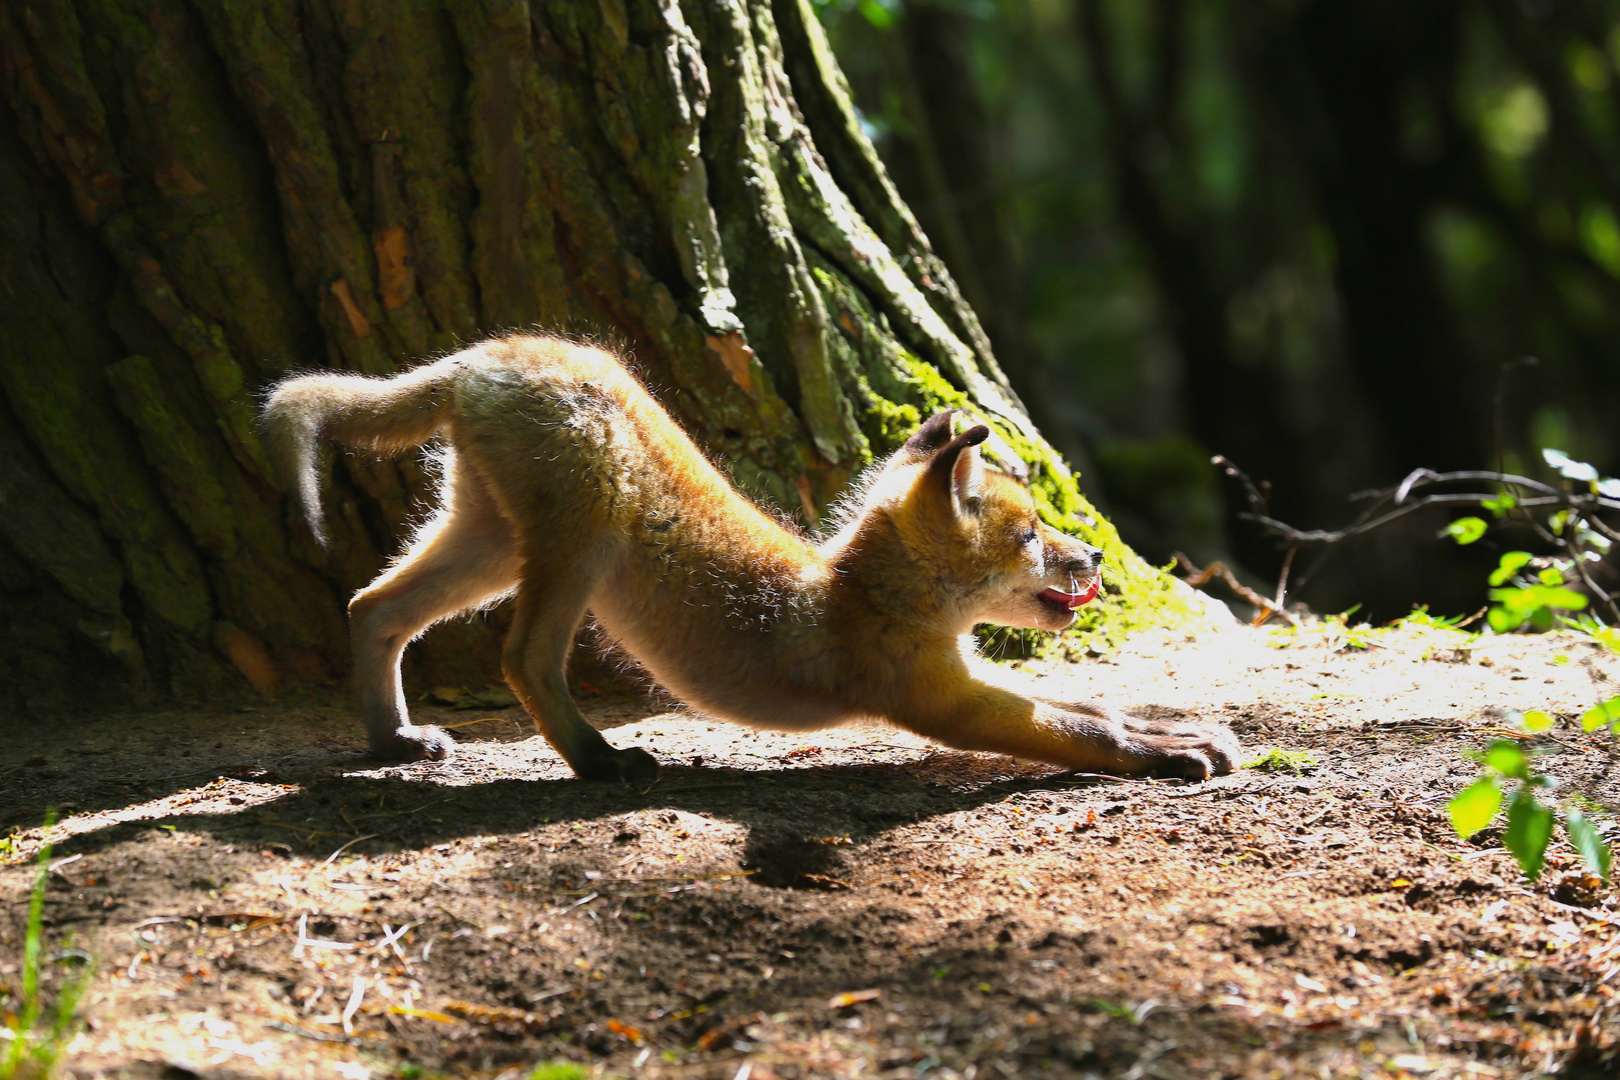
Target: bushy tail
(387, 416)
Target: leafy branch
(1529, 827)
(1573, 521)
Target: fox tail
(384, 415)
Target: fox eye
(1029, 536)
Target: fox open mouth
(1069, 601)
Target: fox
(566, 487)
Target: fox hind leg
(463, 557)
(550, 604)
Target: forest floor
(259, 899)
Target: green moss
(936, 391)
(558, 1070)
(887, 423)
(1278, 760)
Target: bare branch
(1196, 577)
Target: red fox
(566, 484)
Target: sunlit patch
(223, 795)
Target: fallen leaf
(421, 1014)
(624, 1029)
(852, 997)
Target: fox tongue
(1072, 600)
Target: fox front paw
(1193, 753)
(632, 765)
(414, 743)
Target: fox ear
(957, 474)
(931, 435)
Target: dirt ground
(262, 900)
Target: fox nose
(1082, 560)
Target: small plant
(1333, 632)
(1533, 591)
(1607, 637)
(1530, 592)
(1278, 760)
(1604, 713)
(1420, 619)
(1530, 824)
(34, 1047)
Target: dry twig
(1266, 608)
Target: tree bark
(198, 198)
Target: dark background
(1318, 237)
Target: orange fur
(567, 484)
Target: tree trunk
(197, 199)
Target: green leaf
(1503, 621)
(1527, 601)
(1536, 720)
(1501, 504)
(1603, 714)
(1506, 758)
(1529, 829)
(1465, 530)
(879, 14)
(1514, 599)
(1560, 597)
(1551, 576)
(1472, 808)
(1509, 565)
(1588, 843)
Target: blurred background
(1332, 241)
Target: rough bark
(197, 198)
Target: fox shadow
(800, 823)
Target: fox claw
(1196, 754)
(1187, 766)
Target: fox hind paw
(632, 765)
(414, 743)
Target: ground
(260, 899)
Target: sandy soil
(262, 900)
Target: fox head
(974, 534)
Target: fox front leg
(1165, 748)
(1083, 736)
